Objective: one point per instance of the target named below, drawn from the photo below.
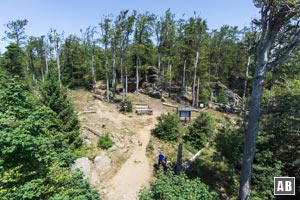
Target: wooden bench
(148, 111)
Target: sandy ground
(125, 181)
(135, 173)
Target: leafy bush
(215, 172)
(168, 127)
(105, 141)
(229, 143)
(55, 96)
(32, 133)
(174, 187)
(200, 130)
(222, 96)
(127, 103)
(204, 95)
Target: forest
(179, 59)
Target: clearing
(130, 169)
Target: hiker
(185, 120)
(161, 157)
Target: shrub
(170, 186)
(222, 96)
(127, 103)
(204, 95)
(214, 172)
(105, 141)
(200, 130)
(168, 128)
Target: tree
(198, 30)
(32, 133)
(278, 36)
(30, 56)
(168, 127)
(170, 186)
(13, 60)
(106, 26)
(124, 25)
(142, 42)
(16, 31)
(168, 31)
(199, 132)
(55, 97)
(56, 40)
(222, 98)
(89, 44)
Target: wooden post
(179, 160)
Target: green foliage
(173, 187)
(13, 60)
(229, 143)
(16, 101)
(16, 31)
(55, 97)
(215, 172)
(34, 154)
(223, 99)
(127, 103)
(200, 130)
(204, 95)
(105, 142)
(280, 131)
(168, 127)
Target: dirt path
(134, 173)
(132, 133)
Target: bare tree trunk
(93, 69)
(244, 106)
(42, 72)
(31, 65)
(197, 93)
(114, 74)
(246, 78)
(195, 76)
(159, 65)
(58, 67)
(122, 79)
(46, 60)
(251, 132)
(170, 77)
(137, 73)
(163, 78)
(178, 169)
(184, 76)
(126, 81)
(106, 74)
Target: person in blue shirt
(160, 157)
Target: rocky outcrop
(84, 164)
(102, 162)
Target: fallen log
(169, 105)
(99, 97)
(188, 163)
(86, 111)
(93, 131)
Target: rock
(94, 178)
(113, 148)
(120, 145)
(137, 161)
(140, 143)
(87, 141)
(84, 165)
(102, 162)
